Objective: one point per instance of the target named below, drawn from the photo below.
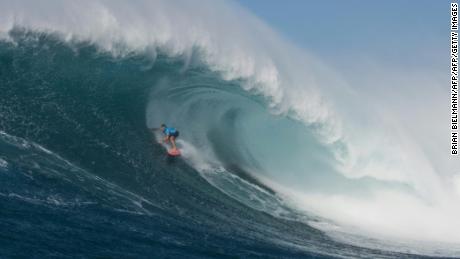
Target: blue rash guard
(171, 132)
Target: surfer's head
(163, 126)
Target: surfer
(170, 135)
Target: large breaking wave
(264, 122)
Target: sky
(394, 32)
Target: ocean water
(82, 175)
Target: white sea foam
(3, 163)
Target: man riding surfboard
(170, 135)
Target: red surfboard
(173, 152)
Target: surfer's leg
(173, 142)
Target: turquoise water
(81, 174)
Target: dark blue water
(82, 176)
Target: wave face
(269, 167)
